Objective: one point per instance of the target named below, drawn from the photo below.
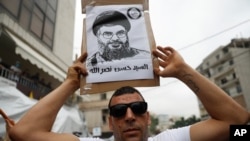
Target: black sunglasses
(120, 110)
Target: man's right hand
(76, 70)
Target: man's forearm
(42, 115)
(217, 103)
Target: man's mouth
(116, 45)
(131, 131)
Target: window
(37, 22)
(51, 14)
(225, 50)
(231, 62)
(48, 32)
(208, 73)
(234, 75)
(105, 113)
(53, 4)
(36, 16)
(238, 88)
(220, 68)
(217, 56)
(12, 6)
(103, 96)
(43, 20)
(25, 18)
(28, 3)
(42, 4)
(223, 80)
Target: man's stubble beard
(114, 54)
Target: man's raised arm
(221, 107)
(36, 124)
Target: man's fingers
(157, 71)
(169, 49)
(166, 50)
(82, 58)
(158, 54)
(81, 69)
(78, 66)
(3, 114)
(163, 53)
(10, 122)
(162, 63)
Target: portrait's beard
(114, 54)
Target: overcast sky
(195, 28)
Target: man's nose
(129, 115)
(115, 37)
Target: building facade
(95, 108)
(37, 36)
(229, 68)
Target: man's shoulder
(94, 59)
(140, 51)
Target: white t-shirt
(179, 134)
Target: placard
(85, 3)
(126, 29)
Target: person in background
(16, 67)
(16, 71)
(129, 118)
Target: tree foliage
(185, 122)
(153, 126)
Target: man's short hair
(125, 90)
(110, 18)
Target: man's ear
(110, 123)
(149, 118)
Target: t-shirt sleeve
(178, 134)
(90, 139)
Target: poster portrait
(117, 44)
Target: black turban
(112, 18)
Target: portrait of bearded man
(111, 29)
